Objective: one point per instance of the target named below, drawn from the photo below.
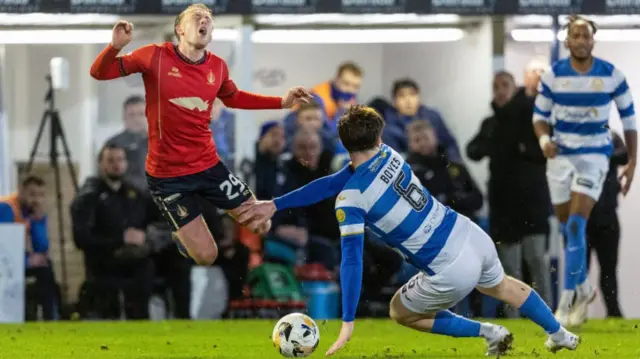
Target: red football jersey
(179, 103)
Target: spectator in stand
(407, 108)
(309, 117)
(168, 263)
(603, 230)
(268, 165)
(447, 181)
(109, 219)
(333, 97)
(134, 140)
(519, 203)
(27, 207)
(314, 227)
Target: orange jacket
(323, 91)
(13, 202)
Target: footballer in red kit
(181, 84)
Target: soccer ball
(296, 335)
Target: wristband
(544, 139)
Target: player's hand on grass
(253, 215)
(122, 34)
(296, 96)
(345, 335)
(627, 174)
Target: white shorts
(477, 265)
(576, 173)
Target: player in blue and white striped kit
(380, 192)
(575, 100)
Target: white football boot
(578, 315)
(568, 341)
(565, 307)
(499, 341)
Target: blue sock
(447, 323)
(539, 312)
(575, 252)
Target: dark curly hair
(360, 128)
(573, 19)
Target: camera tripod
(56, 133)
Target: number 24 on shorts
(232, 187)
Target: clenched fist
(122, 34)
(548, 146)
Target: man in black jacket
(268, 164)
(110, 217)
(134, 140)
(603, 229)
(519, 204)
(315, 226)
(447, 181)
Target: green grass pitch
(617, 339)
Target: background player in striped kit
(379, 191)
(575, 100)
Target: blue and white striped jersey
(578, 106)
(385, 196)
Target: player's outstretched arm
(316, 191)
(108, 65)
(233, 97)
(352, 233)
(255, 214)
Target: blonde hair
(184, 12)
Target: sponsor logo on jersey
(341, 215)
(597, 84)
(175, 72)
(191, 103)
(211, 78)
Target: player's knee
(398, 317)
(397, 312)
(393, 314)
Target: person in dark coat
(519, 203)
(448, 181)
(603, 229)
(269, 160)
(406, 108)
